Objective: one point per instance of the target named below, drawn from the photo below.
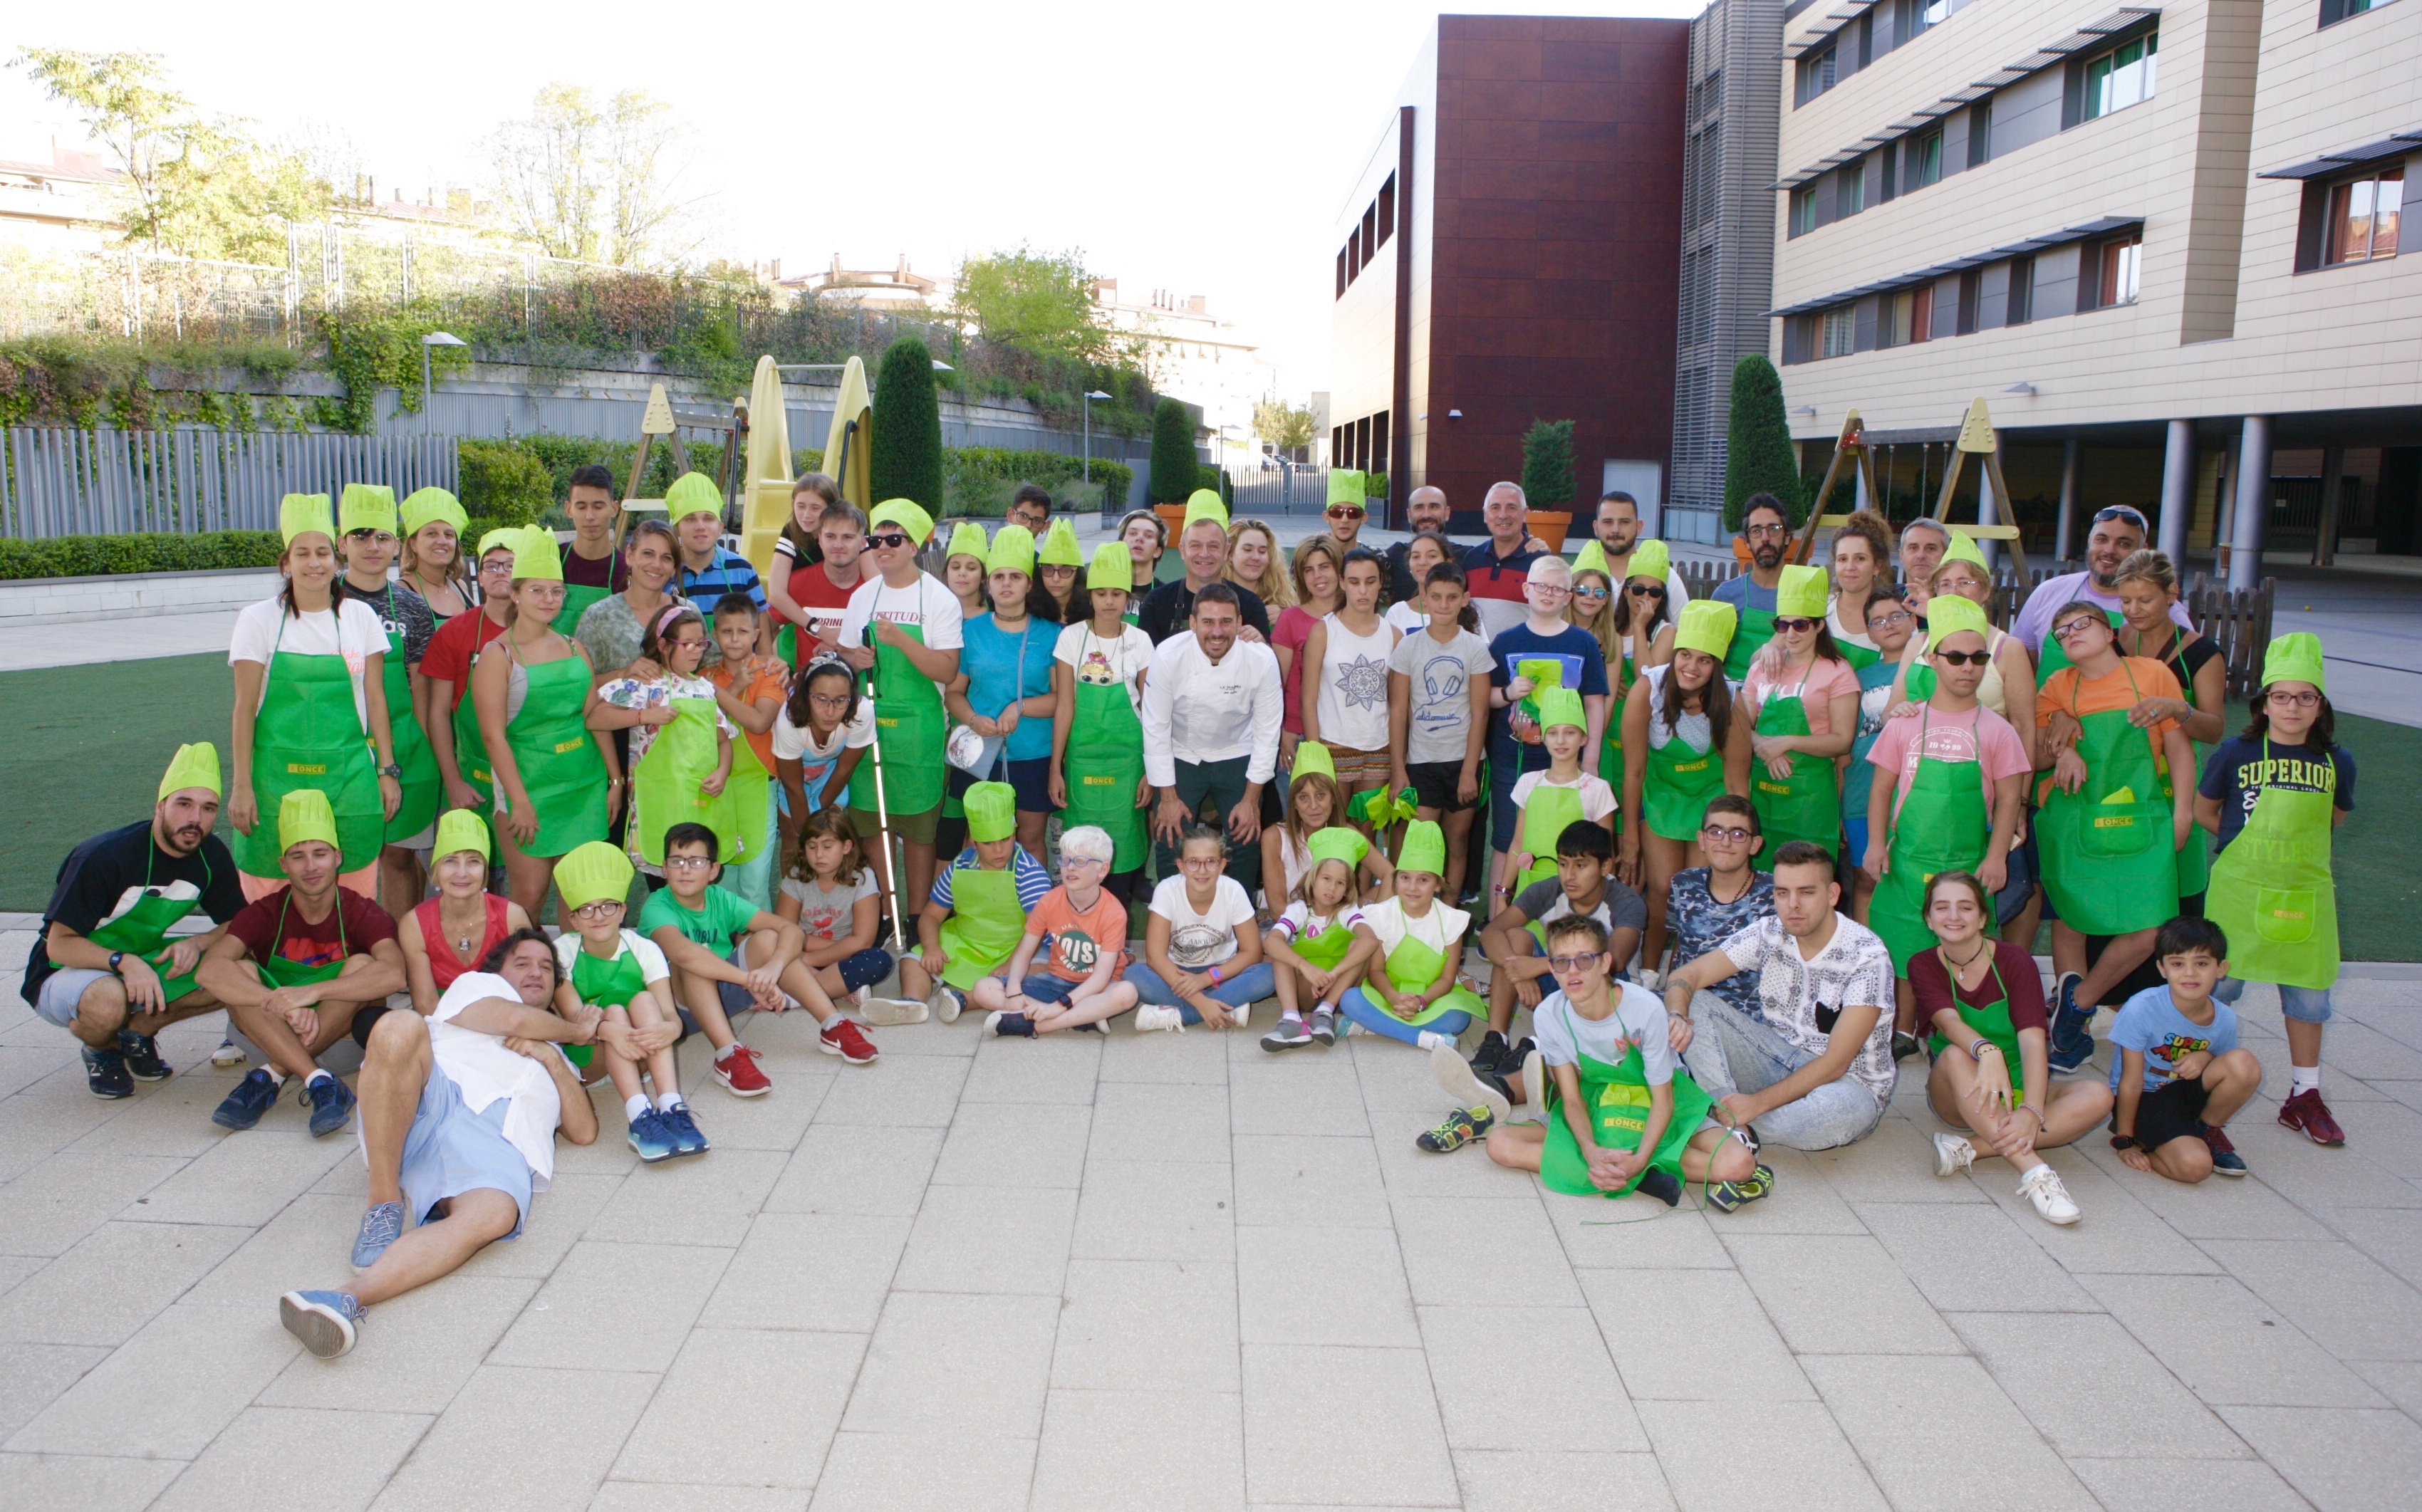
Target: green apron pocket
(2284, 916)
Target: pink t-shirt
(1826, 679)
(1293, 628)
(1981, 736)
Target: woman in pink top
(1319, 566)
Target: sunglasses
(1563, 963)
(1733, 837)
(1793, 625)
(2119, 511)
(1646, 589)
(888, 541)
(1345, 511)
(1590, 592)
(1964, 658)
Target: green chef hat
(507, 536)
(1963, 548)
(1560, 706)
(1801, 592)
(368, 506)
(428, 504)
(1424, 849)
(1060, 548)
(1592, 559)
(305, 514)
(693, 493)
(1312, 757)
(303, 814)
(1706, 625)
(1650, 559)
(2294, 658)
(194, 767)
(966, 540)
(463, 829)
(1205, 504)
(1348, 486)
(1338, 844)
(597, 871)
(1013, 551)
(907, 514)
(1947, 614)
(536, 556)
(1112, 567)
(992, 811)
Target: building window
(1908, 316)
(1840, 334)
(1925, 160)
(2363, 218)
(1971, 291)
(2120, 258)
(1850, 189)
(1387, 210)
(2121, 78)
(1341, 272)
(1819, 74)
(2333, 11)
(2022, 292)
(1980, 132)
(1803, 210)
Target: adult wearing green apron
(299, 722)
(901, 633)
(1555, 799)
(1097, 736)
(1767, 526)
(367, 517)
(1645, 626)
(967, 542)
(1428, 945)
(2272, 888)
(435, 563)
(1792, 780)
(468, 776)
(593, 556)
(553, 788)
(986, 917)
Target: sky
(1197, 150)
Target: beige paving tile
(744, 1408)
(931, 1038)
(32, 1375)
(193, 1367)
(1668, 1329)
(775, 1121)
(1299, 1095)
(16, 1268)
(2227, 1344)
(50, 1115)
(246, 1179)
(901, 1092)
(1197, 1057)
(1598, 1235)
(648, 1496)
(653, 1292)
(1895, 1164)
(960, 1364)
(1800, 1447)
(415, 1353)
(1016, 1144)
(1940, 1433)
(823, 1271)
(1323, 1287)
(2399, 1380)
(1839, 1294)
(66, 1196)
(1111, 1450)
(1160, 1121)
(707, 1200)
(1313, 1180)
(112, 1282)
(2341, 1461)
(299, 1457)
(1147, 1325)
(1803, 1201)
(1396, 1458)
(1500, 1250)
(172, 1118)
(1973, 1257)
(527, 1438)
(306, 1244)
(2149, 1484)
(2091, 1388)
(1497, 1480)
(1528, 1378)
(558, 1219)
(2348, 1303)
(989, 1240)
(2214, 1209)
(85, 1482)
(2119, 1234)
(1155, 1210)
(846, 1169)
(22, 1065)
(1052, 1068)
(1411, 1171)
(886, 1472)
(2366, 1173)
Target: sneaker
(1660, 1183)
(1290, 1034)
(1430, 1039)
(2054, 1204)
(2304, 1113)
(1512, 1063)
(1461, 1127)
(2226, 1161)
(1492, 1048)
(1905, 1046)
(332, 1103)
(380, 1226)
(651, 1138)
(256, 1094)
(1152, 1016)
(1007, 1025)
(1953, 1155)
(324, 1321)
(228, 1056)
(142, 1054)
(1324, 1026)
(2072, 1027)
(687, 1138)
(842, 1038)
(1471, 1088)
(736, 1071)
(1730, 1196)
(883, 1013)
(104, 1071)
(946, 1003)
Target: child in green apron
(2272, 889)
(1561, 795)
(1676, 723)
(750, 690)
(976, 915)
(1410, 990)
(1514, 940)
(1314, 805)
(1080, 934)
(682, 745)
(367, 521)
(1097, 671)
(1312, 948)
(1787, 767)
(620, 971)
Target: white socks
(1431, 1040)
(667, 1102)
(634, 1107)
(2303, 1078)
(314, 1077)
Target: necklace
(1749, 881)
(1984, 948)
(461, 932)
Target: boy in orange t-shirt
(1077, 984)
(749, 689)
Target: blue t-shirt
(1875, 691)
(1032, 880)
(2150, 1024)
(1004, 667)
(729, 573)
(1743, 593)
(1573, 649)
(2235, 774)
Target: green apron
(422, 787)
(562, 771)
(664, 788)
(749, 794)
(909, 727)
(1944, 826)
(308, 734)
(2194, 857)
(1610, 750)
(142, 929)
(1749, 637)
(1552, 809)
(603, 985)
(986, 922)
(1808, 805)
(1618, 1096)
(1675, 791)
(1101, 765)
(2272, 892)
(1416, 966)
(1326, 949)
(1860, 657)
(470, 745)
(1993, 1022)
(280, 972)
(2108, 860)
(577, 597)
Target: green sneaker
(1461, 1127)
(1729, 1196)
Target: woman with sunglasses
(1677, 725)
(1861, 548)
(1643, 613)
(1348, 492)
(1799, 711)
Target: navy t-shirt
(2237, 771)
(106, 875)
(1574, 649)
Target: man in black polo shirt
(1499, 567)
(1202, 546)
(1425, 509)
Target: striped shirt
(730, 573)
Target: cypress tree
(1174, 470)
(906, 461)
(1548, 465)
(1759, 456)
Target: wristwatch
(393, 769)
(115, 956)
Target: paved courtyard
(1173, 1272)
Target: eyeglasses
(1793, 625)
(2281, 697)
(603, 908)
(1646, 589)
(1898, 617)
(1067, 860)
(2074, 629)
(1774, 533)
(1591, 592)
(687, 863)
(1730, 836)
(1964, 658)
(1549, 588)
(829, 701)
(888, 541)
(1345, 511)
(496, 569)
(1562, 963)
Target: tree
(1758, 453)
(1547, 464)
(595, 183)
(1173, 465)
(1284, 426)
(906, 461)
(1040, 301)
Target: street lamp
(434, 339)
(1090, 396)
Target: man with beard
(103, 968)
(2115, 532)
(1768, 527)
(1617, 528)
(1425, 509)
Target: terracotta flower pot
(1550, 526)
(1173, 516)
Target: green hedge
(978, 481)
(148, 552)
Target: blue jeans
(1358, 1006)
(1733, 1052)
(2307, 1005)
(1253, 983)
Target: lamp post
(434, 339)
(1091, 396)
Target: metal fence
(1289, 490)
(60, 483)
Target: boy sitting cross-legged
(2178, 1073)
(1584, 884)
(1081, 932)
(975, 918)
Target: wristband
(2123, 1142)
(1215, 976)
(1976, 1047)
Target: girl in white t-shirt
(819, 736)
(1201, 946)
(831, 895)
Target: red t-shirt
(444, 964)
(1932, 983)
(812, 587)
(1077, 939)
(272, 930)
(450, 650)
(606, 572)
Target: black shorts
(1435, 785)
(2172, 1111)
(364, 1017)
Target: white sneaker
(1241, 1016)
(2054, 1204)
(1151, 1017)
(946, 1003)
(1651, 979)
(1431, 1040)
(886, 1011)
(1953, 1155)
(228, 1054)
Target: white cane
(882, 807)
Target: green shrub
(146, 552)
(978, 481)
(1548, 465)
(907, 456)
(504, 478)
(1175, 470)
(1758, 453)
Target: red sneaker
(843, 1038)
(736, 1068)
(2309, 1115)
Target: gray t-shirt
(1638, 1022)
(827, 915)
(1620, 908)
(1440, 676)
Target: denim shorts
(2307, 1005)
(1043, 986)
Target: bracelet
(2123, 1142)
(1977, 1045)
(1215, 976)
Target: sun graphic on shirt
(1362, 683)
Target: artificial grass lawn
(83, 748)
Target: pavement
(1174, 1271)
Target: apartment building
(2160, 240)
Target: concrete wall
(42, 600)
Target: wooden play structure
(1976, 439)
